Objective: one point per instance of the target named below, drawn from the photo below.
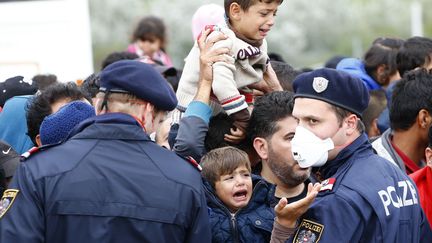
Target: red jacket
(423, 180)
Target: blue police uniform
(366, 200)
(108, 183)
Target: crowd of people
(235, 146)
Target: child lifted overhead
(247, 25)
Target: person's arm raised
(287, 214)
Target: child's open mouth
(240, 195)
(263, 32)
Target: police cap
(335, 87)
(139, 79)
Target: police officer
(109, 182)
(363, 198)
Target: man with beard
(271, 129)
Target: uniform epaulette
(35, 150)
(192, 161)
(328, 184)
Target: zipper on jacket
(234, 227)
(235, 231)
(233, 216)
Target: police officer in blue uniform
(109, 182)
(363, 198)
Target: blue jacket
(252, 223)
(370, 201)
(13, 123)
(356, 68)
(108, 183)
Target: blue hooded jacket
(253, 223)
(13, 123)
(356, 68)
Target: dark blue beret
(139, 79)
(334, 87)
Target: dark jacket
(108, 183)
(252, 223)
(367, 199)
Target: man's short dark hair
(414, 53)
(40, 105)
(342, 113)
(117, 56)
(268, 110)
(382, 51)
(285, 74)
(90, 86)
(219, 126)
(377, 103)
(410, 95)
(430, 137)
(44, 80)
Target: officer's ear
(428, 156)
(351, 122)
(261, 147)
(38, 140)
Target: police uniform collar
(116, 119)
(332, 166)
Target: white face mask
(309, 150)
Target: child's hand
(288, 214)
(269, 83)
(237, 135)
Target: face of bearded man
(280, 159)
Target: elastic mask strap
(105, 101)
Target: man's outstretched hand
(288, 214)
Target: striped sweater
(246, 67)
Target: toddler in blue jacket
(239, 202)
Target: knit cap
(56, 127)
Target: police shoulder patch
(308, 232)
(7, 200)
